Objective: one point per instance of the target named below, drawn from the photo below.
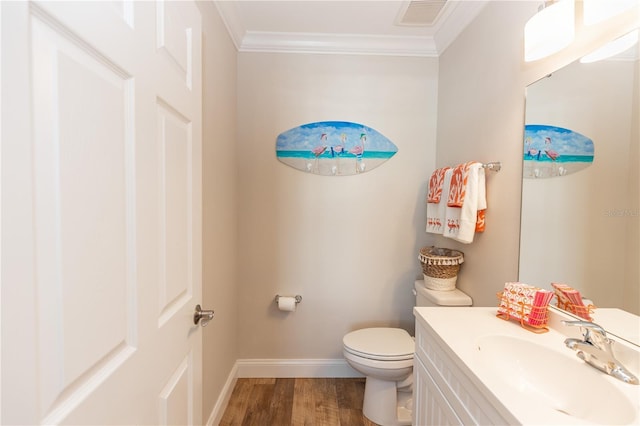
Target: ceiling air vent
(420, 12)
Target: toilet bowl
(385, 357)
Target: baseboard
(282, 368)
(279, 368)
(224, 397)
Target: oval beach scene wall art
(334, 148)
(551, 151)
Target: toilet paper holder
(297, 297)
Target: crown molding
(255, 41)
(455, 16)
(230, 16)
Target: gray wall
(347, 244)
(480, 117)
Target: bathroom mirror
(582, 228)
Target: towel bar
(495, 166)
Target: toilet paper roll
(287, 304)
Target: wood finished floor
(282, 402)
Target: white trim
(260, 41)
(452, 20)
(228, 11)
(455, 17)
(295, 368)
(223, 399)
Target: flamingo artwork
(337, 151)
(528, 150)
(358, 150)
(324, 147)
(550, 152)
(553, 155)
(320, 149)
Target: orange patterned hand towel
(435, 185)
(436, 212)
(458, 185)
(466, 205)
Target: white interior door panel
(101, 213)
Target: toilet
(385, 356)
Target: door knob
(202, 317)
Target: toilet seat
(380, 344)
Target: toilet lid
(380, 343)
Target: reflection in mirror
(551, 151)
(582, 228)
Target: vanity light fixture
(550, 30)
(596, 11)
(612, 48)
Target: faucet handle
(587, 328)
(585, 324)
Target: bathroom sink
(550, 379)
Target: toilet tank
(428, 297)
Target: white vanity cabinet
(471, 368)
(443, 393)
(433, 408)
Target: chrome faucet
(596, 350)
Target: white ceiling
(347, 26)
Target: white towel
(436, 211)
(460, 222)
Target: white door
(101, 213)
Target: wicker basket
(440, 267)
